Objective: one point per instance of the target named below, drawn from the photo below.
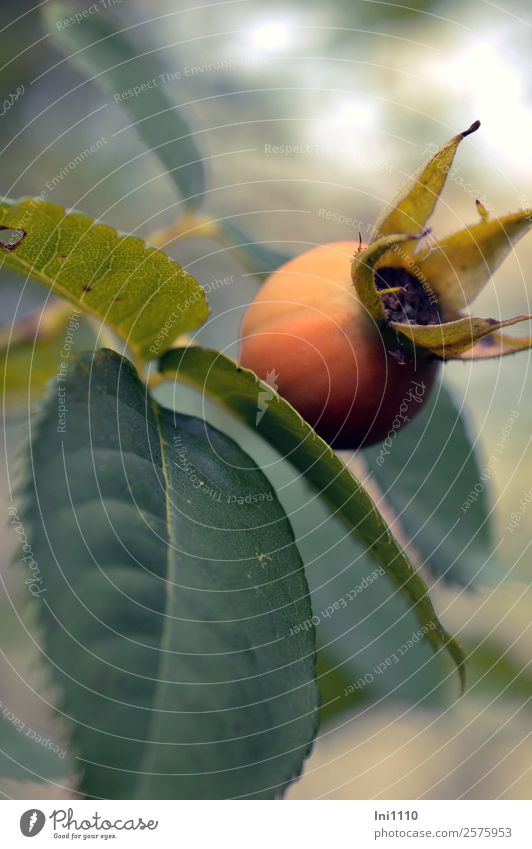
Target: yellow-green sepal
(363, 270)
(459, 266)
(414, 204)
(494, 346)
(453, 338)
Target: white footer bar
(260, 825)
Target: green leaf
(458, 267)
(28, 754)
(257, 257)
(361, 618)
(145, 296)
(412, 207)
(453, 338)
(430, 474)
(136, 79)
(170, 586)
(276, 420)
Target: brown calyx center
(413, 304)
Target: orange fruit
(307, 334)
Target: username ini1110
(396, 815)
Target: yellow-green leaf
(453, 338)
(459, 266)
(245, 395)
(412, 207)
(145, 296)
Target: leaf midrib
(142, 777)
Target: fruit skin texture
(307, 334)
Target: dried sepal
(494, 346)
(459, 266)
(453, 338)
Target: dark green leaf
(276, 420)
(170, 586)
(361, 617)
(430, 474)
(137, 79)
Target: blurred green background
(363, 88)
